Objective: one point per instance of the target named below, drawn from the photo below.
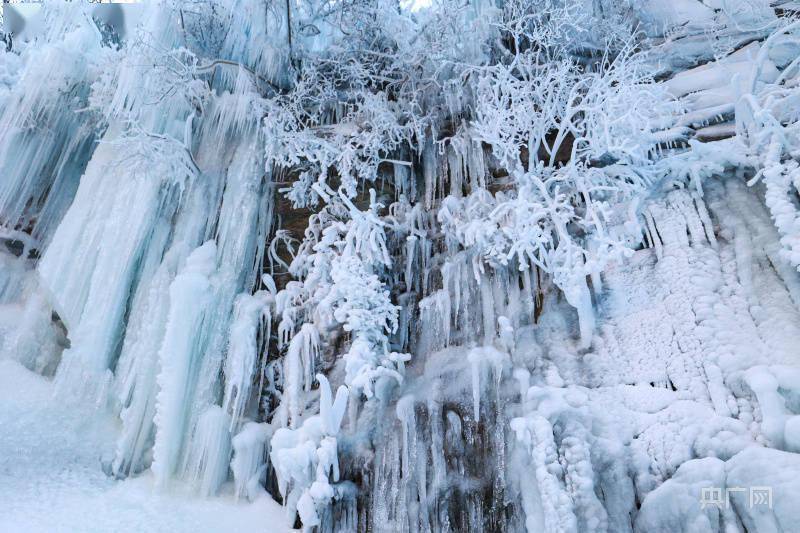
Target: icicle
(232, 113)
(455, 164)
(708, 226)
(210, 452)
(426, 251)
(594, 273)
(514, 310)
(331, 411)
(241, 362)
(411, 246)
(651, 226)
(406, 416)
(190, 294)
(436, 319)
(298, 370)
(438, 459)
(487, 309)
(554, 512)
(523, 377)
(451, 282)
(478, 359)
(578, 297)
(429, 172)
(45, 142)
(527, 293)
(244, 220)
(92, 303)
(138, 368)
(475, 163)
(259, 41)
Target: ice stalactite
(487, 309)
(435, 315)
(436, 439)
(259, 41)
(545, 499)
(470, 304)
(90, 284)
(192, 419)
(243, 218)
(479, 360)
(241, 363)
(139, 366)
(298, 371)
(209, 453)
(578, 295)
(190, 298)
(47, 136)
(560, 424)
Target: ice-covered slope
(491, 266)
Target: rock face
(511, 274)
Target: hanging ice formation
(551, 293)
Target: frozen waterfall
(483, 265)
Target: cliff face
(494, 266)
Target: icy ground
(51, 476)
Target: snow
(52, 479)
(674, 505)
(765, 468)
